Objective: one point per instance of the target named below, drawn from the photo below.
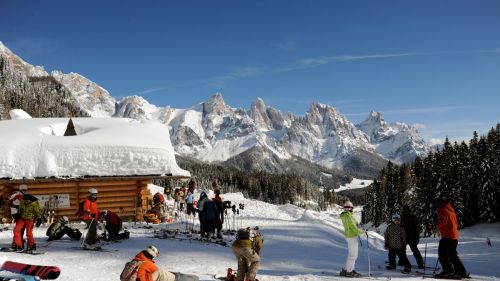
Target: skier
(159, 206)
(15, 199)
(113, 225)
(30, 212)
(91, 218)
(247, 249)
(189, 203)
(447, 250)
(219, 216)
(200, 205)
(411, 226)
(351, 233)
(209, 217)
(395, 242)
(59, 228)
(148, 271)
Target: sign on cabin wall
(54, 201)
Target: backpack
(80, 208)
(129, 272)
(245, 234)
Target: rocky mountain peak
(16, 64)
(258, 112)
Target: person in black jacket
(411, 225)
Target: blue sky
(432, 63)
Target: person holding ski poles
(447, 250)
(91, 218)
(351, 233)
(411, 226)
(14, 201)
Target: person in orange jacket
(447, 251)
(148, 271)
(91, 218)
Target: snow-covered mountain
(395, 141)
(213, 131)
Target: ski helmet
(152, 251)
(396, 217)
(93, 191)
(348, 205)
(23, 188)
(64, 219)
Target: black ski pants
(401, 253)
(416, 253)
(448, 257)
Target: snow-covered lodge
(119, 157)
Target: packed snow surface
(298, 245)
(37, 147)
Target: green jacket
(30, 211)
(350, 225)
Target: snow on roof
(36, 147)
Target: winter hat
(23, 187)
(396, 217)
(152, 251)
(348, 205)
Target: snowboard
(41, 271)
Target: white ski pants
(352, 253)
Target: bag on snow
(129, 272)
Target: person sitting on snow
(114, 225)
(148, 271)
(59, 228)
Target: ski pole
(368, 253)
(436, 266)
(425, 257)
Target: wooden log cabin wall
(125, 196)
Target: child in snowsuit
(395, 242)
(351, 233)
(59, 228)
(247, 250)
(30, 212)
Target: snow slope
(299, 245)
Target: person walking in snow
(447, 250)
(30, 214)
(14, 201)
(395, 242)
(59, 228)
(247, 249)
(148, 271)
(351, 233)
(411, 225)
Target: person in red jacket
(447, 251)
(114, 225)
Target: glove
(38, 222)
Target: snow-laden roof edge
(33, 148)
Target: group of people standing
(404, 229)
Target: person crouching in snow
(59, 228)
(247, 249)
(148, 271)
(113, 225)
(351, 233)
(395, 242)
(30, 212)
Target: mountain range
(261, 137)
